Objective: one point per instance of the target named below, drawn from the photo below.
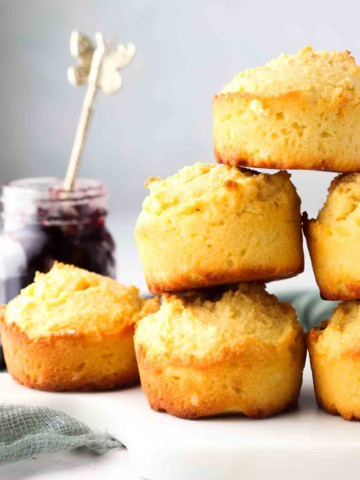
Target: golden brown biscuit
(237, 351)
(73, 330)
(299, 111)
(334, 239)
(334, 350)
(212, 225)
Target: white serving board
(305, 443)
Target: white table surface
(303, 443)
(71, 465)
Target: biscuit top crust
(72, 300)
(329, 75)
(343, 201)
(204, 185)
(342, 332)
(210, 324)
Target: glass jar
(43, 223)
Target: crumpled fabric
(27, 431)
(310, 307)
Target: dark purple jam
(43, 225)
(86, 244)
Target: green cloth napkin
(27, 431)
(309, 306)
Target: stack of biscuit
(220, 344)
(303, 111)
(334, 348)
(211, 235)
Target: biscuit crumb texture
(195, 327)
(328, 74)
(72, 299)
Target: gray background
(161, 119)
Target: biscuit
(334, 350)
(298, 111)
(73, 330)
(237, 350)
(212, 225)
(333, 240)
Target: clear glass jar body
(42, 224)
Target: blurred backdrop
(161, 119)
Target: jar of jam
(43, 223)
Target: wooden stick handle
(86, 113)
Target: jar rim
(52, 189)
